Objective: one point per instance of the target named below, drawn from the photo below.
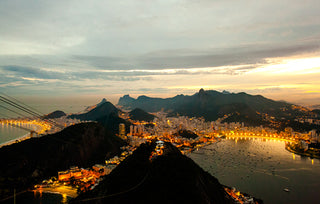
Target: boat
(286, 189)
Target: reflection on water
(64, 198)
(262, 168)
(7, 132)
(37, 197)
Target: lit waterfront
(16, 130)
(57, 189)
(262, 168)
(41, 126)
(268, 138)
(7, 133)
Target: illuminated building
(122, 131)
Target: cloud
(224, 61)
(64, 46)
(32, 75)
(30, 72)
(133, 28)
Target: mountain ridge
(254, 110)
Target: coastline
(306, 154)
(18, 139)
(58, 189)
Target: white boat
(286, 189)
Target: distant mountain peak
(98, 111)
(102, 102)
(142, 97)
(225, 92)
(127, 96)
(201, 91)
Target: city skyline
(160, 48)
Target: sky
(160, 48)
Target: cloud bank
(77, 46)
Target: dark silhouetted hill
(186, 134)
(139, 114)
(170, 178)
(26, 163)
(55, 114)
(112, 122)
(102, 110)
(89, 108)
(126, 101)
(106, 114)
(102, 102)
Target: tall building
(313, 136)
(131, 130)
(122, 131)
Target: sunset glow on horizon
(160, 49)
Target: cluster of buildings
(163, 125)
(311, 118)
(238, 197)
(83, 179)
(158, 151)
(40, 127)
(165, 128)
(126, 151)
(63, 121)
(308, 120)
(37, 126)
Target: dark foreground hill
(139, 114)
(169, 178)
(26, 163)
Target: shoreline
(20, 138)
(60, 189)
(301, 154)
